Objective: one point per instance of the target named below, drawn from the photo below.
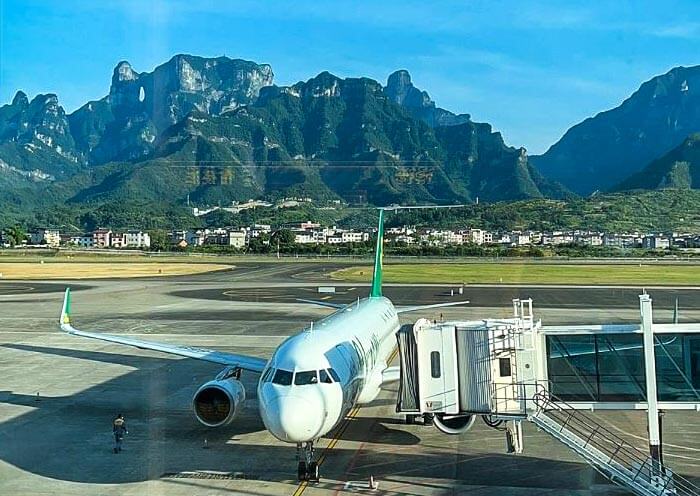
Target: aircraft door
(437, 369)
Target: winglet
(65, 311)
(376, 290)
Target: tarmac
(59, 393)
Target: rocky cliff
(218, 130)
(603, 150)
(678, 169)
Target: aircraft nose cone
(294, 418)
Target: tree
(285, 237)
(159, 240)
(16, 235)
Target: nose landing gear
(307, 469)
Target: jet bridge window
(504, 367)
(435, 364)
(282, 377)
(305, 378)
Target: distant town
(312, 233)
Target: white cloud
(688, 30)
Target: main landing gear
(307, 469)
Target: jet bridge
(468, 367)
(508, 371)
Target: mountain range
(601, 152)
(216, 130)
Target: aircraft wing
(252, 364)
(426, 307)
(322, 303)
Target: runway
(60, 441)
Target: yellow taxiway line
(353, 413)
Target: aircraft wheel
(313, 472)
(301, 471)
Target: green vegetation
(524, 273)
(621, 212)
(666, 210)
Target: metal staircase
(609, 454)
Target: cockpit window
(282, 377)
(324, 377)
(267, 376)
(334, 375)
(304, 378)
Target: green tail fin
(378, 256)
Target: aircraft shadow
(364, 427)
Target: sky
(532, 69)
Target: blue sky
(530, 68)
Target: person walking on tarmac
(119, 429)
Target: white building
(309, 225)
(49, 237)
(101, 238)
(588, 238)
(138, 239)
(477, 236)
(405, 238)
(562, 238)
(237, 239)
(520, 238)
(656, 242)
(304, 237)
(83, 241)
(118, 240)
(354, 236)
(257, 229)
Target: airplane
(312, 380)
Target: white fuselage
(314, 378)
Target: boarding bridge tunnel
(515, 369)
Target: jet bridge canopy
(478, 366)
(604, 366)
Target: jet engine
(453, 424)
(217, 402)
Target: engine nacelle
(217, 402)
(453, 424)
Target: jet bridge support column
(650, 373)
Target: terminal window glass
(435, 364)
(305, 378)
(597, 367)
(282, 377)
(677, 367)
